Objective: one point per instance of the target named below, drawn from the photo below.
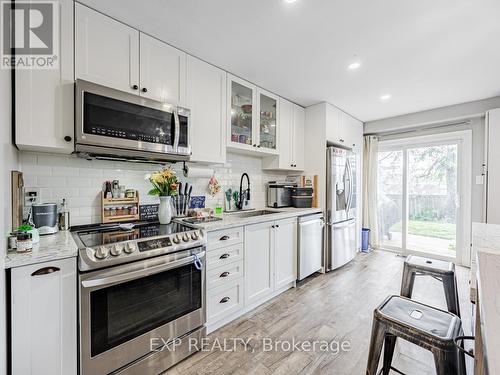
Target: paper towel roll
(193, 172)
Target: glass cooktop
(102, 235)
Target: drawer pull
(224, 256)
(45, 271)
(224, 300)
(224, 274)
(224, 238)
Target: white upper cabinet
(241, 114)
(162, 71)
(206, 98)
(298, 149)
(291, 138)
(44, 98)
(252, 116)
(343, 129)
(106, 51)
(267, 121)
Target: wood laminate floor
(337, 307)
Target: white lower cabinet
(285, 252)
(246, 266)
(224, 301)
(44, 318)
(270, 259)
(259, 261)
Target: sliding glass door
(421, 184)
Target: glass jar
(24, 242)
(112, 211)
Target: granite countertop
(51, 247)
(486, 245)
(230, 220)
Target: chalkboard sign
(197, 201)
(148, 211)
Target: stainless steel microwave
(117, 125)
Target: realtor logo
(30, 38)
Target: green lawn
(446, 231)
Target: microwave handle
(105, 281)
(177, 130)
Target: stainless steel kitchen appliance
(310, 254)
(114, 124)
(279, 194)
(142, 294)
(341, 200)
(43, 216)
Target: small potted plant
(27, 228)
(165, 186)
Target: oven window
(125, 311)
(118, 119)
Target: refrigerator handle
(349, 198)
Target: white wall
(80, 181)
(8, 162)
(443, 114)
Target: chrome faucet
(244, 194)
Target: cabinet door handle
(273, 226)
(224, 256)
(135, 87)
(144, 89)
(68, 138)
(45, 271)
(224, 274)
(224, 238)
(224, 300)
(277, 226)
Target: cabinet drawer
(224, 255)
(224, 275)
(224, 301)
(225, 237)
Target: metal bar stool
(430, 328)
(440, 270)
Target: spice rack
(114, 210)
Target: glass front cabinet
(253, 118)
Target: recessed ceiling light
(290, 1)
(385, 97)
(353, 66)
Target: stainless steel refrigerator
(341, 207)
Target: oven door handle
(105, 281)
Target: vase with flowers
(165, 186)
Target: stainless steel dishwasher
(310, 254)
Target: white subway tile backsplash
(81, 181)
(65, 171)
(49, 181)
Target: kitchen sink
(254, 213)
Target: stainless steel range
(142, 296)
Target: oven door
(126, 311)
(105, 117)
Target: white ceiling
(425, 53)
